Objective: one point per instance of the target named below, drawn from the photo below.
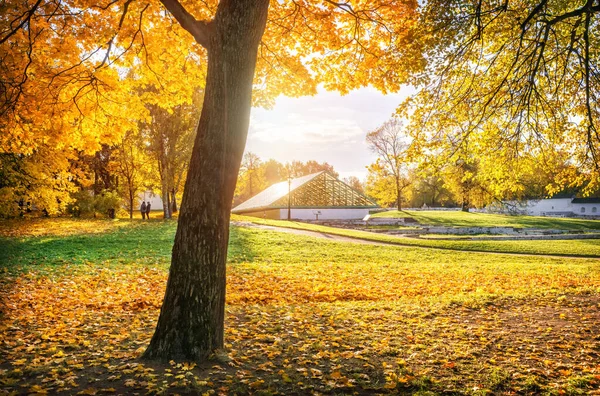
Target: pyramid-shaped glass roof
(317, 190)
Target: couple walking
(145, 210)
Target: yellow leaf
(256, 384)
(38, 390)
(390, 385)
(88, 391)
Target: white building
(586, 206)
(156, 202)
(553, 207)
(319, 196)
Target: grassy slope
(464, 219)
(380, 318)
(581, 248)
(301, 258)
(44, 243)
(354, 317)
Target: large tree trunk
(465, 203)
(191, 321)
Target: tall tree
(341, 45)
(130, 167)
(192, 315)
(169, 135)
(386, 188)
(391, 143)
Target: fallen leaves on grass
(58, 226)
(82, 333)
(305, 316)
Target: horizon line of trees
(413, 170)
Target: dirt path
(323, 235)
(340, 238)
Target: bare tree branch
(28, 16)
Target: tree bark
(398, 195)
(191, 321)
(130, 205)
(173, 201)
(166, 202)
(464, 205)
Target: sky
(326, 127)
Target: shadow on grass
(241, 246)
(148, 243)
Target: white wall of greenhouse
(326, 214)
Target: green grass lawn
(467, 219)
(574, 247)
(304, 315)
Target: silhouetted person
(148, 210)
(143, 209)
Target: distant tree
(299, 168)
(251, 179)
(312, 166)
(274, 172)
(170, 135)
(355, 183)
(101, 165)
(295, 169)
(131, 163)
(468, 185)
(387, 189)
(430, 184)
(391, 143)
(41, 180)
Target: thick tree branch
(28, 16)
(588, 8)
(200, 30)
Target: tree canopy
(512, 80)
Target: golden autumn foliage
(74, 80)
(514, 85)
(72, 74)
(79, 74)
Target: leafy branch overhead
(513, 78)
